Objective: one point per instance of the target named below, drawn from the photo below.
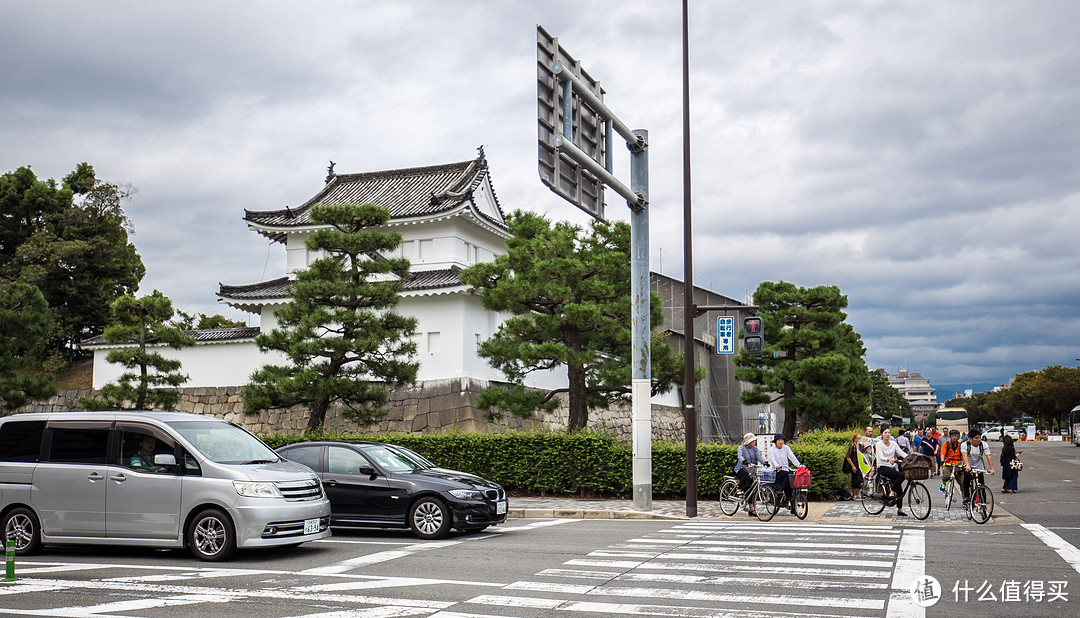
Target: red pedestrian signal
(754, 335)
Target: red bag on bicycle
(802, 478)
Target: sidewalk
(709, 509)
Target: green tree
(339, 332)
(569, 294)
(885, 400)
(71, 242)
(150, 380)
(1047, 395)
(812, 362)
(201, 321)
(24, 319)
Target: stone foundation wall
(438, 405)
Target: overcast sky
(922, 156)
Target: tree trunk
(579, 411)
(790, 415)
(318, 414)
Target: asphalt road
(572, 567)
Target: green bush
(585, 463)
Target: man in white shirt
(975, 453)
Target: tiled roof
(410, 192)
(204, 335)
(279, 288)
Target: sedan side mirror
(368, 470)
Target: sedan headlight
(256, 490)
(466, 494)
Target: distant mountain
(946, 392)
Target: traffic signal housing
(754, 335)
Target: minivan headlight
(251, 489)
(466, 494)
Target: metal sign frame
(572, 181)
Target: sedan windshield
(396, 459)
(225, 443)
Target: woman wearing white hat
(748, 454)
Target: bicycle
(801, 500)
(980, 500)
(765, 503)
(952, 487)
(875, 495)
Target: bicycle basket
(766, 476)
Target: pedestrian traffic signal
(754, 335)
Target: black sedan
(381, 485)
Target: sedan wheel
(429, 518)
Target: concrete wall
(439, 405)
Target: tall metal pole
(689, 411)
(640, 327)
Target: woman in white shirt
(888, 455)
(779, 458)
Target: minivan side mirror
(164, 459)
(368, 470)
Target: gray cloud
(922, 158)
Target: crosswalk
(711, 570)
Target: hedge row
(584, 464)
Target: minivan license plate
(311, 526)
(500, 507)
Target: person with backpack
(950, 455)
(975, 454)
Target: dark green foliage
(151, 381)
(812, 362)
(24, 320)
(343, 341)
(201, 321)
(71, 242)
(569, 294)
(582, 463)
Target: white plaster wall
(219, 364)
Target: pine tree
(24, 320)
(151, 381)
(343, 341)
(570, 296)
(812, 362)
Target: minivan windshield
(225, 443)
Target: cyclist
(889, 454)
(950, 454)
(747, 455)
(975, 455)
(779, 458)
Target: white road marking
(910, 564)
(741, 568)
(800, 561)
(746, 581)
(1068, 552)
(382, 556)
(372, 582)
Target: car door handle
(119, 478)
(331, 483)
(94, 477)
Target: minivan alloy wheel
(22, 528)
(211, 536)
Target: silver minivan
(154, 479)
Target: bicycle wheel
(950, 488)
(765, 503)
(802, 504)
(918, 500)
(729, 497)
(982, 504)
(873, 502)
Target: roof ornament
(480, 151)
(330, 172)
(288, 212)
(434, 199)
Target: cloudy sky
(921, 156)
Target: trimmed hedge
(584, 463)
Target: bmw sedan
(370, 484)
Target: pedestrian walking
(851, 465)
(1009, 474)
